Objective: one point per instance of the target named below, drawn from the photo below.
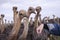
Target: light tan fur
(2, 23)
(15, 30)
(26, 23)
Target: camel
(25, 31)
(38, 9)
(38, 32)
(15, 12)
(17, 23)
(2, 23)
(26, 23)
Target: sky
(49, 7)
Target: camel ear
(38, 9)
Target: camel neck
(28, 14)
(15, 30)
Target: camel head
(14, 8)
(38, 9)
(22, 14)
(31, 10)
(2, 15)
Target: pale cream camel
(26, 23)
(17, 23)
(14, 11)
(38, 9)
(2, 23)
